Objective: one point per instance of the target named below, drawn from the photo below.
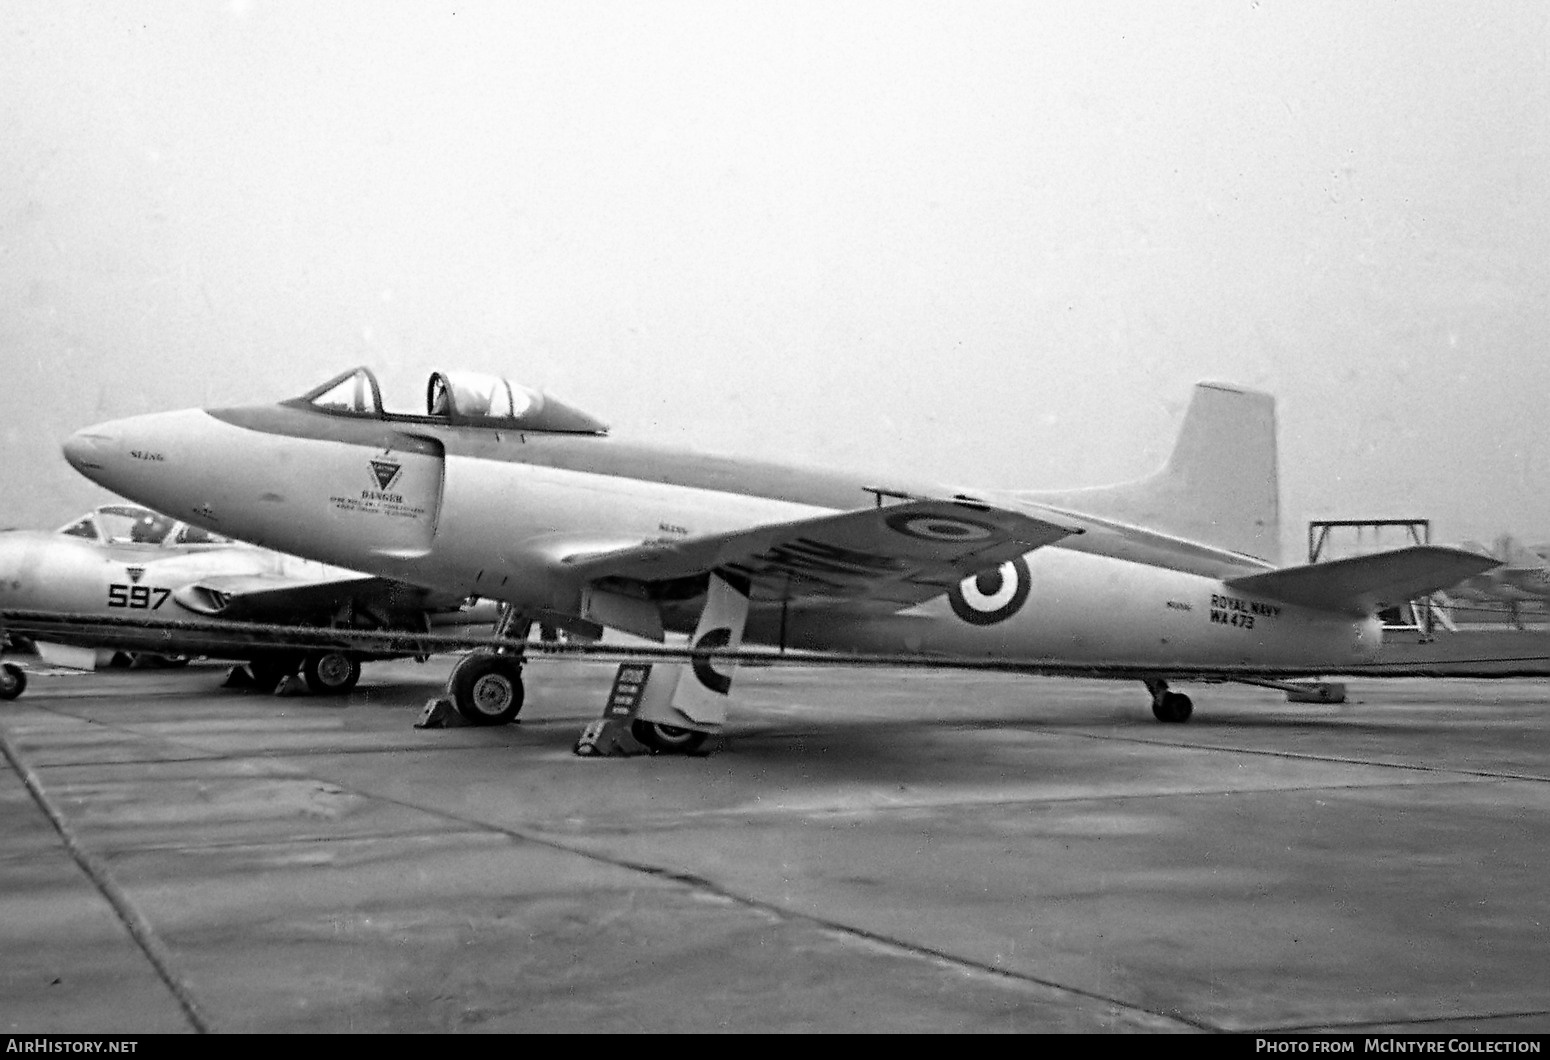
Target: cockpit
(128, 524)
(466, 399)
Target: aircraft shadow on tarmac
(932, 719)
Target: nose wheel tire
(667, 739)
(487, 689)
(13, 681)
(331, 673)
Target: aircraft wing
(227, 638)
(280, 598)
(895, 555)
(1364, 584)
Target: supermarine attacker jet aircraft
(507, 493)
(126, 578)
(1523, 578)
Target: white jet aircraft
(503, 492)
(129, 579)
(1522, 578)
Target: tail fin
(1220, 486)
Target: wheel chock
(291, 685)
(609, 738)
(440, 713)
(239, 677)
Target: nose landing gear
(486, 688)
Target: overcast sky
(988, 243)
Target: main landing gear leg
(1169, 706)
(673, 708)
(485, 687)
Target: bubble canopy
(128, 524)
(465, 399)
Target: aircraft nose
(86, 449)
(154, 459)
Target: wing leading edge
(894, 555)
(282, 599)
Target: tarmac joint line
(138, 927)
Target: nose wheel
(486, 688)
(1169, 707)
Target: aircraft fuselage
(494, 513)
(52, 572)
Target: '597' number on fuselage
(137, 597)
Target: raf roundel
(708, 675)
(941, 527)
(993, 595)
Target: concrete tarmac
(862, 851)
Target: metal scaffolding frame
(1421, 615)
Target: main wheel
(668, 739)
(487, 689)
(13, 681)
(331, 673)
(1173, 707)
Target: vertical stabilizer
(1220, 486)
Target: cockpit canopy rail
(465, 399)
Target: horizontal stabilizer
(1365, 584)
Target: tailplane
(1363, 585)
(1219, 488)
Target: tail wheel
(667, 739)
(487, 689)
(13, 681)
(1173, 707)
(331, 673)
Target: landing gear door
(396, 499)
